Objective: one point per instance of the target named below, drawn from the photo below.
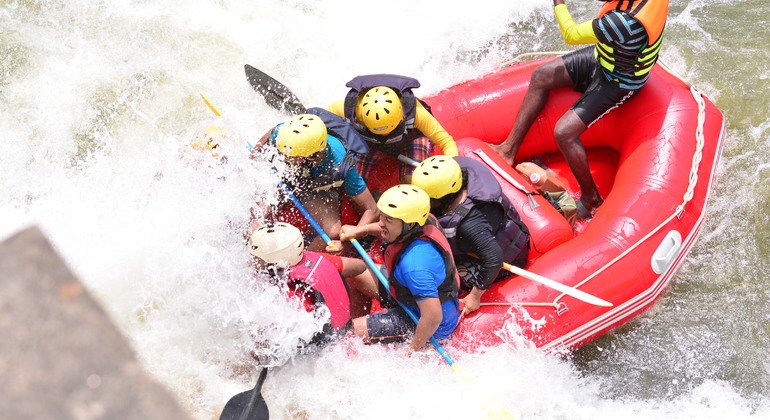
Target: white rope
(531, 55)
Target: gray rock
(61, 357)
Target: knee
(566, 132)
(541, 79)
(360, 329)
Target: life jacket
(403, 86)
(320, 277)
(652, 14)
(429, 232)
(483, 187)
(355, 148)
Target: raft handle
(668, 250)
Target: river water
(99, 102)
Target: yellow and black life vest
(652, 15)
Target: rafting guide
(627, 37)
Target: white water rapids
(98, 97)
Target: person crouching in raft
(420, 270)
(317, 279)
(479, 221)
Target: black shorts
(390, 325)
(600, 95)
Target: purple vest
(483, 187)
(403, 86)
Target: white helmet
(277, 242)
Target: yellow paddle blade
(210, 105)
(457, 368)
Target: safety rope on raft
(530, 55)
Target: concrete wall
(60, 355)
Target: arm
(572, 32)
(257, 150)
(337, 108)
(431, 316)
(366, 207)
(352, 267)
(430, 127)
(348, 232)
(475, 235)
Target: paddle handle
(567, 290)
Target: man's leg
(548, 76)
(567, 135)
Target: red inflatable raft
(654, 160)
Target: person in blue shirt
(321, 170)
(421, 273)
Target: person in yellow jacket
(393, 121)
(627, 36)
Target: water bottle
(540, 178)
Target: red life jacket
(448, 289)
(321, 282)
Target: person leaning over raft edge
(317, 279)
(627, 36)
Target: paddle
(248, 405)
(567, 290)
(276, 93)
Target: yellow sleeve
(572, 32)
(429, 125)
(337, 108)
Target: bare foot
(587, 208)
(504, 153)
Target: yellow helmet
(302, 135)
(406, 202)
(438, 176)
(277, 242)
(209, 139)
(380, 110)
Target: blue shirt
(421, 269)
(335, 152)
